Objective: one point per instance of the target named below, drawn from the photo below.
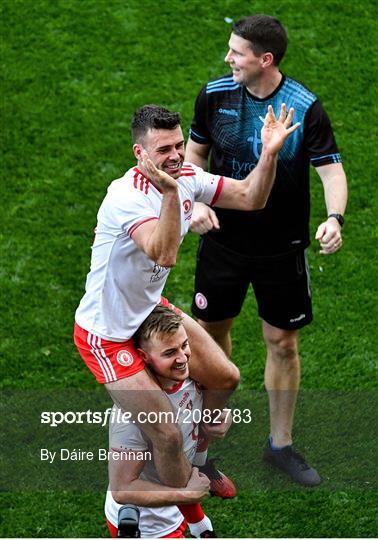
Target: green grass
(73, 73)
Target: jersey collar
(148, 180)
(175, 388)
(267, 98)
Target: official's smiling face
(246, 66)
(165, 148)
(168, 355)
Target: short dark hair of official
(265, 34)
(152, 117)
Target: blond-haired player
(164, 346)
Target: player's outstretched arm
(253, 192)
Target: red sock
(112, 529)
(192, 512)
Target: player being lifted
(164, 346)
(140, 225)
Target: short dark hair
(160, 322)
(152, 117)
(265, 34)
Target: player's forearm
(197, 154)
(335, 193)
(200, 161)
(144, 493)
(259, 182)
(164, 242)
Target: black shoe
(208, 534)
(293, 464)
(220, 484)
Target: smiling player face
(246, 66)
(165, 148)
(168, 356)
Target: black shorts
(281, 285)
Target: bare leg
(141, 393)
(220, 332)
(282, 377)
(210, 366)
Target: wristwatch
(339, 218)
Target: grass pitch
(73, 73)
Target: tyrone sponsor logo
(187, 204)
(201, 301)
(125, 358)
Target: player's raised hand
(159, 178)
(275, 131)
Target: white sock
(201, 526)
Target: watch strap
(339, 218)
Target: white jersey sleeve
(125, 208)
(208, 186)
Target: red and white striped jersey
(124, 285)
(186, 399)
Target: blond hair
(161, 321)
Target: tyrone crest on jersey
(187, 205)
